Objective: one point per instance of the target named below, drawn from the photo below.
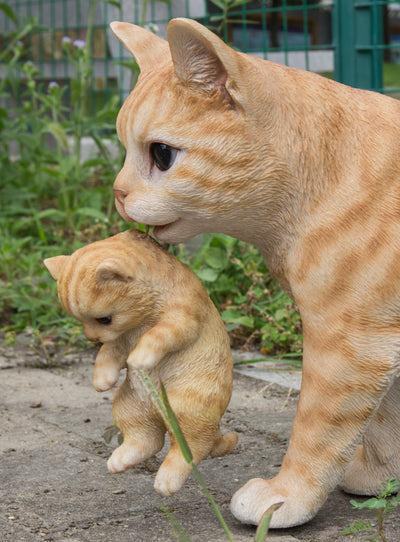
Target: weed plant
(52, 202)
(252, 304)
(382, 505)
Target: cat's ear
(147, 48)
(200, 58)
(56, 265)
(111, 270)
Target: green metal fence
(356, 41)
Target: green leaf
(93, 162)
(113, 3)
(281, 314)
(109, 433)
(131, 64)
(239, 3)
(207, 275)
(376, 504)
(58, 132)
(8, 11)
(89, 211)
(371, 504)
(236, 317)
(215, 258)
(357, 527)
(47, 213)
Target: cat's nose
(120, 195)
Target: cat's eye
(105, 320)
(162, 155)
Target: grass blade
(179, 532)
(263, 527)
(187, 454)
(176, 428)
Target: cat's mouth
(161, 231)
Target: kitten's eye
(162, 155)
(105, 320)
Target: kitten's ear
(200, 58)
(56, 265)
(147, 48)
(111, 270)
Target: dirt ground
(54, 484)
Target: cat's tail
(224, 444)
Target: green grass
(52, 202)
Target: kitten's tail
(224, 444)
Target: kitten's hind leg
(134, 451)
(173, 472)
(202, 439)
(141, 426)
(378, 458)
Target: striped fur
(162, 322)
(307, 170)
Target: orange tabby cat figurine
(307, 170)
(152, 313)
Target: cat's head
(190, 147)
(99, 287)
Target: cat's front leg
(167, 336)
(338, 396)
(107, 367)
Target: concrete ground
(54, 484)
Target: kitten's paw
(251, 501)
(105, 378)
(169, 481)
(124, 457)
(365, 477)
(143, 360)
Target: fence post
(358, 31)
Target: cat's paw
(124, 457)
(364, 476)
(169, 481)
(142, 360)
(105, 378)
(251, 501)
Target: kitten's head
(189, 145)
(103, 287)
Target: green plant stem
(144, 12)
(212, 502)
(83, 73)
(381, 515)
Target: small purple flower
(19, 43)
(80, 44)
(66, 39)
(53, 84)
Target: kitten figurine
(151, 313)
